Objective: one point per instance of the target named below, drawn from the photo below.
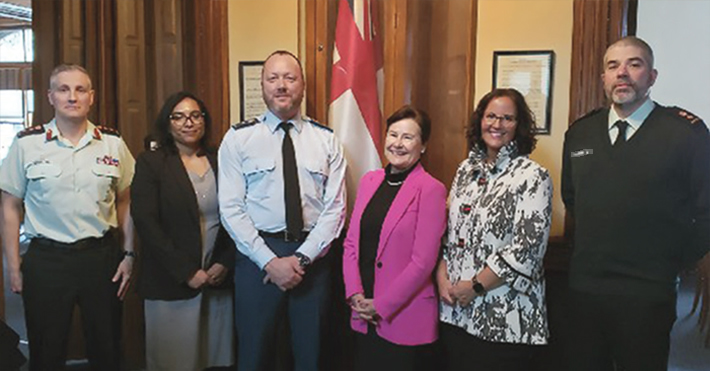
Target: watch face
(478, 288)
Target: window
(16, 96)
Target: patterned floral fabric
(499, 216)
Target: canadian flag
(356, 85)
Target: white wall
(679, 33)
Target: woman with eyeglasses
(491, 278)
(186, 256)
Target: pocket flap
(43, 170)
(253, 166)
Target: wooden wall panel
(167, 64)
(206, 61)
(72, 35)
(131, 72)
(597, 24)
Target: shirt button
(379, 264)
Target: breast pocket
(259, 175)
(317, 175)
(105, 178)
(43, 179)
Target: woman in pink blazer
(391, 250)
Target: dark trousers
(464, 351)
(259, 306)
(623, 333)
(374, 353)
(54, 280)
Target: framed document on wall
(251, 102)
(531, 73)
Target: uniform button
(379, 264)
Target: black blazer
(166, 216)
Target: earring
(423, 150)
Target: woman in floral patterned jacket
(491, 279)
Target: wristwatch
(303, 260)
(478, 287)
(130, 254)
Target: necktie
(621, 137)
(292, 190)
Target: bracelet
(130, 254)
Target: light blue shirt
(69, 192)
(635, 120)
(251, 186)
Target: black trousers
(259, 307)
(623, 333)
(374, 353)
(54, 280)
(464, 351)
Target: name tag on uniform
(581, 153)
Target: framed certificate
(251, 102)
(531, 73)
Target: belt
(82, 244)
(284, 235)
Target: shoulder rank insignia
(317, 124)
(33, 130)
(245, 123)
(691, 118)
(108, 131)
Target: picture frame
(251, 101)
(531, 73)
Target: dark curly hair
(417, 115)
(162, 123)
(524, 131)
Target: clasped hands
(286, 273)
(365, 308)
(214, 276)
(461, 292)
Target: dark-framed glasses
(180, 118)
(504, 119)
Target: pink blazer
(410, 239)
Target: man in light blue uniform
(283, 212)
(72, 178)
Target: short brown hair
(417, 115)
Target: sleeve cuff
(505, 271)
(310, 250)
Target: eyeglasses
(504, 119)
(197, 117)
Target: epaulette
(318, 124)
(685, 115)
(108, 131)
(245, 123)
(37, 129)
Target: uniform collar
(52, 132)
(273, 122)
(635, 119)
